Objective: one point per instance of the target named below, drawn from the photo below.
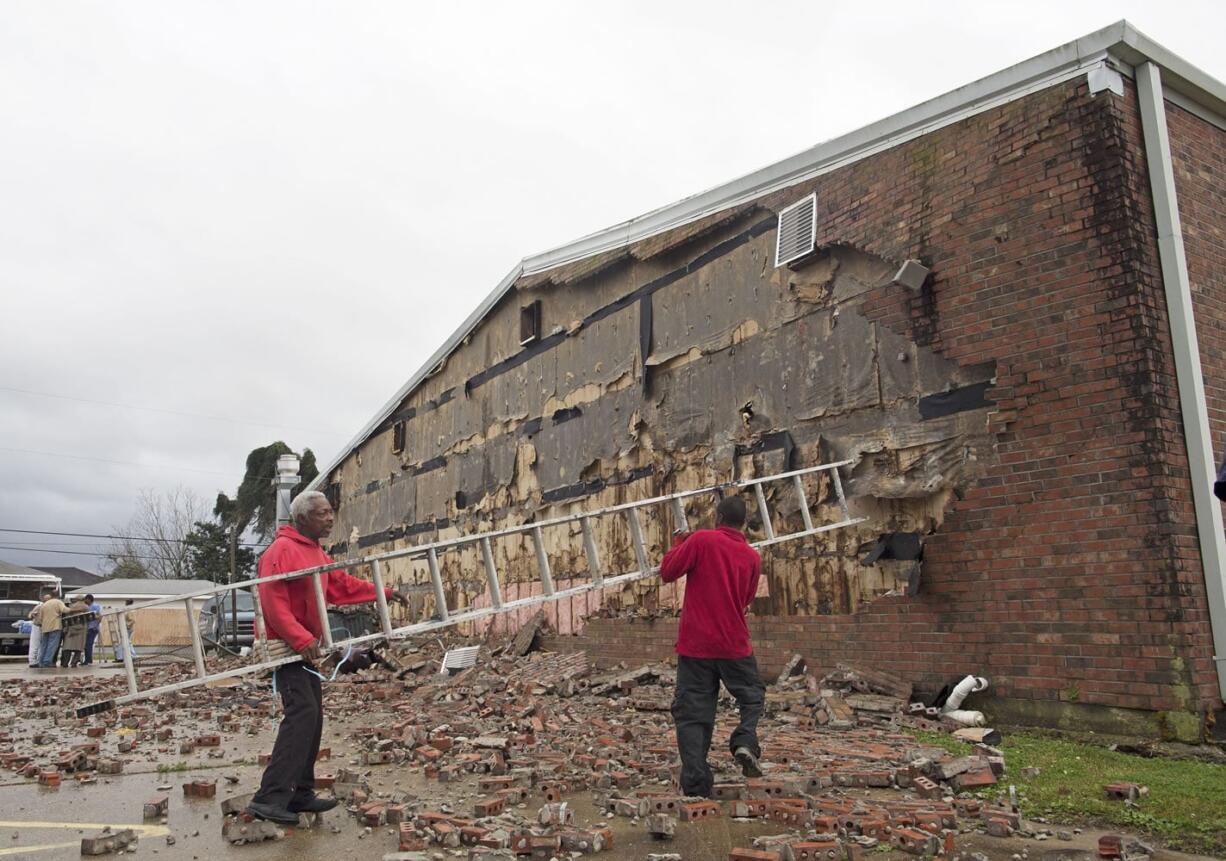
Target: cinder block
(489, 806)
(156, 807)
(813, 850)
(699, 810)
(915, 842)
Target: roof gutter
(1187, 353)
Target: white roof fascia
(1119, 43)
(29, 578)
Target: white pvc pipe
(969, 685)
(969, 718)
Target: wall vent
(398, 437)
(529, 322)
(797, 231)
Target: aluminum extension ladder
(275, 653)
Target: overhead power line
(164, 467)
(169, 412)
(113, 537)
(72, 552)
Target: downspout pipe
(1187, 355)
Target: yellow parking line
(42, 847)
(143, 830)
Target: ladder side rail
(842, 524)
(398, 633)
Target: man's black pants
(694, 713)
(290, 775)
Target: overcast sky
(224, 223)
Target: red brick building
(1037, 407)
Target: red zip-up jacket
(721, 572)
(290, 613)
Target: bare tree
(154, 539)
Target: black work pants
(694, 701)
(290, 775)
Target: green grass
(1185, 808)
(166, 768)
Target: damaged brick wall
(698, 364)
(1018, 409)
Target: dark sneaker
(314, 804)
(272, 813)
(748, 762)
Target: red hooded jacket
(721, 575)
(290, 613)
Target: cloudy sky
(224, 223)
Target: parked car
(12, 641)
(216, 622)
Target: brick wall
(1072, 571)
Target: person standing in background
(91, 632)
(49, 617)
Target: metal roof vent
(797, 231)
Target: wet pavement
(559, 721)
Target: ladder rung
(197, 646)
(491, 573)
(542, 561)
(436, 581)
(803, 501)
(636, 538)
(321, 605)
(593, 557)
(125, 643)
(763, 511)
(680, 521)
(385, 617)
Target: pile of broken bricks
(515, 740)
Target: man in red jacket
(291, 614)
(722, 573)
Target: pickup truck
(12, 641)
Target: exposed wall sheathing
(701, 364)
